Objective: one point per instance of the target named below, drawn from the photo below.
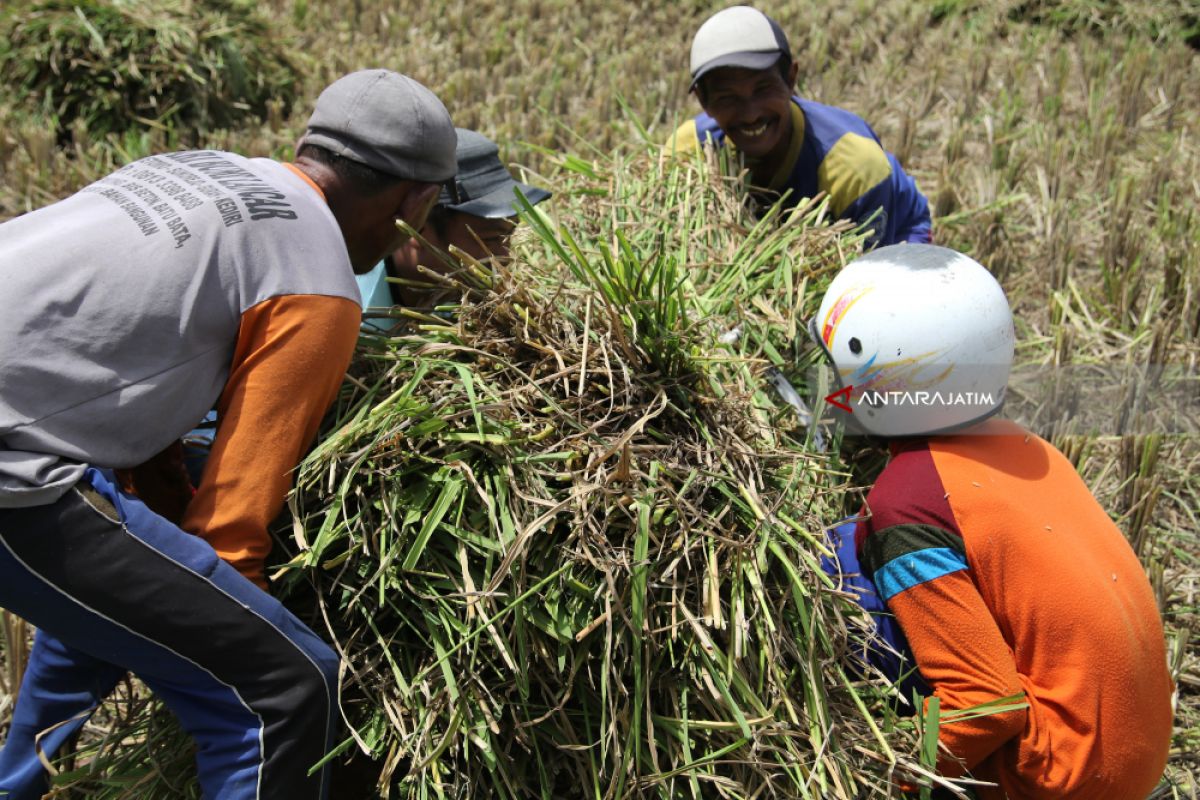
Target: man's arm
(910, 209)
(921, 572)
(292, 353)
(867, 185)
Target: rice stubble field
(1057, 145)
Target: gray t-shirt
(120, 306)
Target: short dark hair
(782, 66)
(367, 180)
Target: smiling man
(744, 76)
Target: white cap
(739, 36)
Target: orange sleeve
(913, 549)
(961, 653)
(291, 355)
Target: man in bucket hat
(743, 75)
(476, 215)
(190, 281)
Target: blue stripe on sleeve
(915, 568)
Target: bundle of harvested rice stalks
(565, 539)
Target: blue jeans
(886, 649)
(112, 587)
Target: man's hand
(161, 483)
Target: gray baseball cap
(483, 186)
(739, 36)
(387, 121)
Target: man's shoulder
(277, 233)
(684, 140)
(850, 159)
(1023, 467)
(828, 123)
(692, 134)
(910, 491)
(910, 534)
(217, 173)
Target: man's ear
(793, 72)
(417, 202)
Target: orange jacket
(1008, 577)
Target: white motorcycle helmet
(920, 338)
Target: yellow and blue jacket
(835, 151)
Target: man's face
(375, 226)
(375, 242)
(482, 239)
(479, 237)
(752, 106)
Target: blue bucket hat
(483, 186)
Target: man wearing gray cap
(476, 214)
(189, 281)
(743, 75)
